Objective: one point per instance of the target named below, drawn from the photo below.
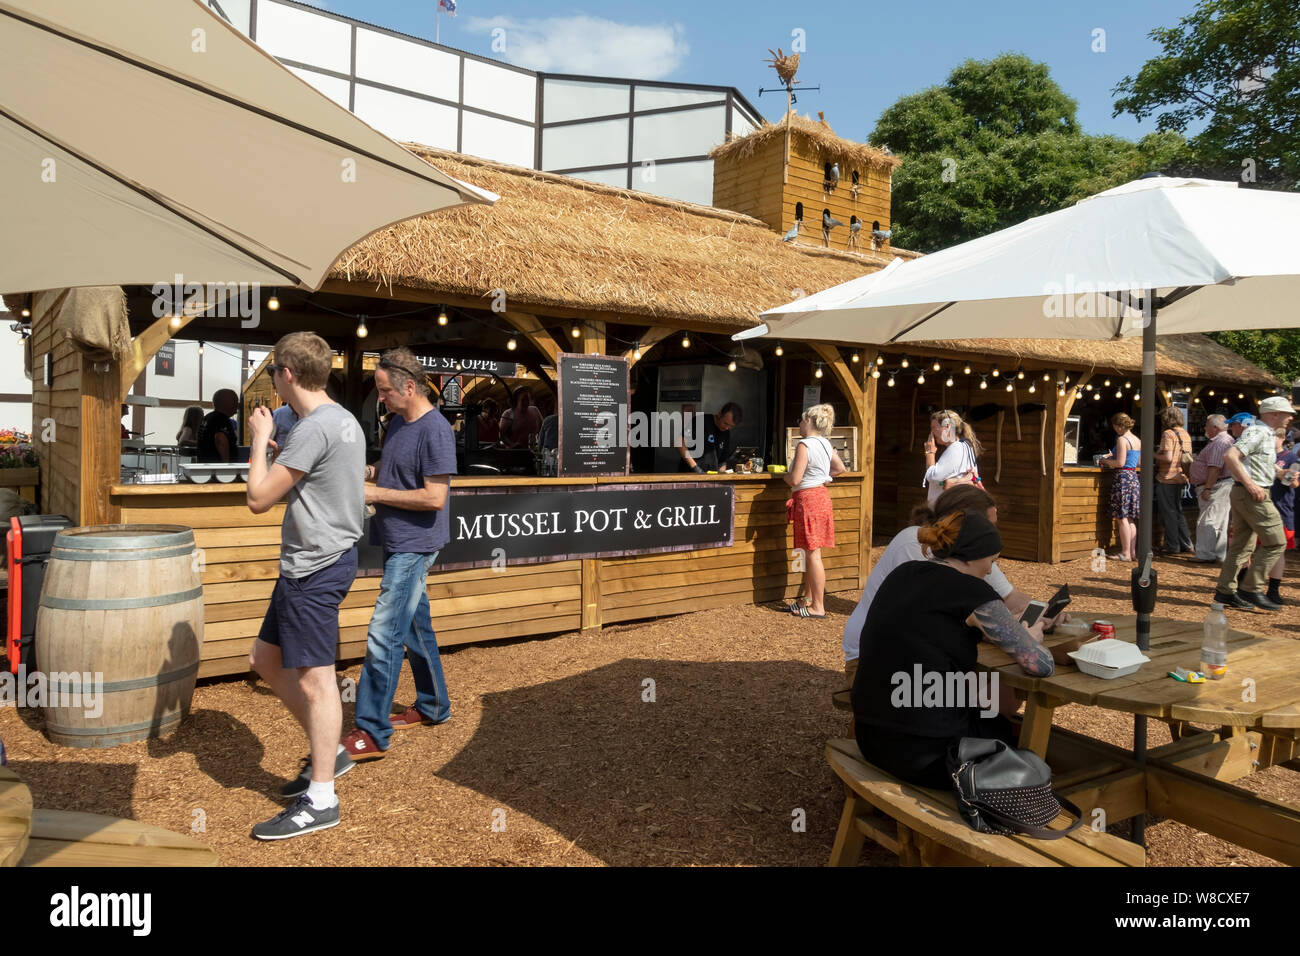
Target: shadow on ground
(651, 761)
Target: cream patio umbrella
(1173, 255)
(142, 140)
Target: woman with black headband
(917, 687)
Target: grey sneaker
(342, 764)
(300, 818)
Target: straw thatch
(555, 241)
(1194, 357)
(817, 135)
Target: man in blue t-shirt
(411, 490)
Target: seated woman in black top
(918, 688)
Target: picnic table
(1253, 716)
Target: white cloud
(588, 45)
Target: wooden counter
(241, 560)
(1083, 511)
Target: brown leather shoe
(410, 718)
(360, 746)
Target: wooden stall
(240, 555)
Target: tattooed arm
(1002, 628)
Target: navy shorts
(303, 619)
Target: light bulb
(1197, 401)
(686, 341)
(175, 322)
(994, 373)
(1240, 395)
(875, 373)
(818, 373)
(1210, 393)
(273, 303)
(1106, 383)
(1060, 391)
(200, 347)
(574, 332)
(1088, 386)
(856, 358)
(936, 365)
(966, 370)
(1031, 388)
(920, 379)
(442, 316)
(731, 366)
(27, 313)
(949, 382)
(513, 344)
(636, 352)
(1047, 377)
(890, 383)
(1128, 384)
(362, 331)
(904, 362)
(1010, 387)
(1119, 394)
(880, 360)
(1096, 395)
(983, 383)
(779, 351)
(1020, 373)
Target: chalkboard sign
(164, 360)
(593, 412)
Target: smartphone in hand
(1029, 617)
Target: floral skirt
(814, 520)
(1125, 495)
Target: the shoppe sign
(492, 528)
(455, 365)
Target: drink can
(1103, 629)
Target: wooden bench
(65, 838)
(924, 828)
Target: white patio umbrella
(1198, 254)
(145, 139)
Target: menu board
(593, 413)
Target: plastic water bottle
(1214, 647)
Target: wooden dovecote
(825, 175)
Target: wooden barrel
(121, 604)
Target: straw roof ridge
(817, 134)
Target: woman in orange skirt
(816, 462)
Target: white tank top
(818, 471)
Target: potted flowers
(18, 462)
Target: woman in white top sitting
(957, 464)
(816, 462)
(905, 547)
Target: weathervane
(786, 67)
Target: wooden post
(593, 337)
(867, 465)
(778, 444)
(101, 439)
(591, 612)
(353, 372)
(1047, 483)
(1063, 405)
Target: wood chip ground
(688, 741)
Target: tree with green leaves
(1233, 65)
(998, 143)
(1277, 350)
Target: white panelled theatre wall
(602, 143)
(497, 139)
(409, 66)
(331, 86)
(577, 99)
(293, 34)
(692, 182)
(406, 118)
(657, 97)
(498, 90)
(685, 133)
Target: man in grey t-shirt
(320, 474)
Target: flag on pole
(448, 5)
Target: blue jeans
(401, 620)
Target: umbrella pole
(1143, 580)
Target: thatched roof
(1192, 357)
(557, 241)
(829, 147)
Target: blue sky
(864, 56)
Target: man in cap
(1211, 485)
(1251, 463)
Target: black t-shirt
(918, 617)
(717, 447)
(215, 423)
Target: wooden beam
(535, 332)
(1266, 826)
(591, 609)
(1063, 405)
(649, 339)
(143, 347)
(839, 368)
(866, 464)
(1120, 795)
